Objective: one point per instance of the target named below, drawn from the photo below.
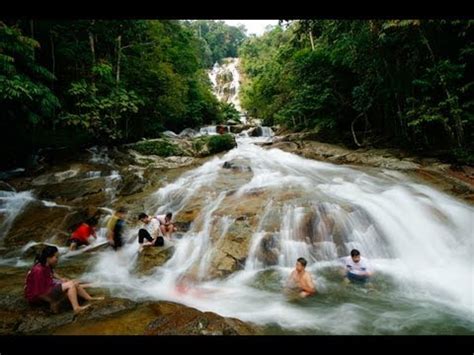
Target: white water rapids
(419, 240)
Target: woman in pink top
(42, 284)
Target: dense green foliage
(220, 143)
(404, 82)
(99, 82)
(161, 147)
(217, 39)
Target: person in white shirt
(356, 268)
(150, 231)
(166, 227)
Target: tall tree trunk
(32, 29)
(53, 57)
(119, 54)
(91, 43)
(311, 39)
(53, 60)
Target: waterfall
(12, 204)
(225, 80)
(248, 226)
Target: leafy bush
(163, 148)
(221, 143)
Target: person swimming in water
(300, 281)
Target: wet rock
(231, 251)
(188, 133)
(289, 147)
(174, 319)
(131, 183)
(70, 190)
(40, 223)
(237, 165)
(9, 322)
(170, 134)
(42, 321)
(159, 318)
(6, 187)
(256, 132)
(152, 257)
(239, 128)
(269, 249)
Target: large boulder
(152, 257)
(39, 223)
(69, 190)
(269, 249)
(237, 165)
(175, 319)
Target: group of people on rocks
(43, 284)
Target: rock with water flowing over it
(111, 316)
(71, 190)
(188, 133)
(39, 223)
(256, 132)
(6, 187)
(269, 249)
(237, 165)
(239, 128)
(169, 134)
(152, 257)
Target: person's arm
(57, 276)
(155, 228)
(290, 282)
(110, 231)
(308, 285)
(343, 267)
(368, 269)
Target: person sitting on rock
(150, 232)
(115, 228)
(44, 285)
(356, 268)
(166, 227)
(82, 234)
(300, 280)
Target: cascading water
(11, 204)
(225, 79)
(419, 241)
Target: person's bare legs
(163, 230)
(70, 288)
(81, 292)
(72, 247)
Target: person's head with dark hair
(93, 221)
(355, 254)
(122, 211)
(48, 256)
(301, 264)
(168, 216)
(143, 217)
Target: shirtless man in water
(300, 280)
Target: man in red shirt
(81, 235)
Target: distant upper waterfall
(225, 79)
